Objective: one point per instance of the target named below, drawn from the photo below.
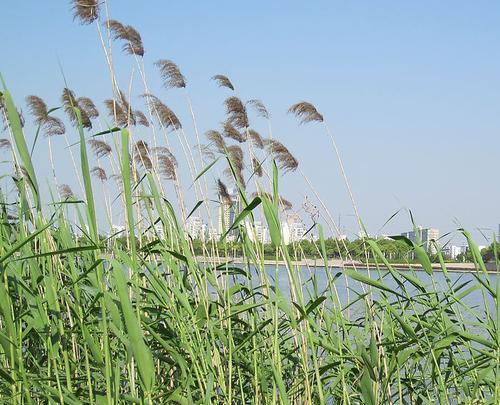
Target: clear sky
(410, 89)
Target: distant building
(424, 236)
(452, 252)
(228, 212)
(213, 234)
(195, 227)
(260, 232)
(293, 229)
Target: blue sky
(411, 90)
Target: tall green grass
(91, 320)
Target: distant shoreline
(450, 267)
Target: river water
(315, 282)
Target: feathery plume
(236, 111)
(256, 138)
(51, 125)
(65, 192)
(223, 193)
(281, 153)
(5, 144)
(166, 167)
(259, 107)
(99, 173)
(37, 108)
(87, 105)
(216, 139)
(54, 126)
(229, 131)
(142, 155)
(162, 150)
(100, 148)
(133, 45)
(276, 147)
(124, 102)
(170, 74)
(70, 102)
(116, 111)
(306, 112)
(87, 11)
(223, 81)
(165, 115)
(121, 110)
(287, 162)
(141, 118)
(257, 167)
(237, 161)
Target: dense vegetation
(139, 320)
(395, 251)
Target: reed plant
(136, 317)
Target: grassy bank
(139, 319)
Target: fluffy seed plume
(162, 150)
(236, 112)
(259, 107)
(166, 167)
(256, 138)
(65, 192)
(224, 195)
(223, 81)
(99, 173)
(281, 153)
(133, 45)
(87, 105)
(121, 110)
(100, 148)
(257, 167)
(170, 74)
(5, 143)
(142, 155)
(237, 162)
(276, 147)
(216, 139)
(87, 11)
(54, 126)
(141, 118)
(70, 102)
(38, 109)
(229, 131)
(50, 125)
(165, 115)
(116, 111)
(305, 112)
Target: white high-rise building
(213, 234)
(228, 212)
(452, 251)
(425, 236)
(194, 227)
(259, 233)
(293, 229)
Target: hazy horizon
(410, 91)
